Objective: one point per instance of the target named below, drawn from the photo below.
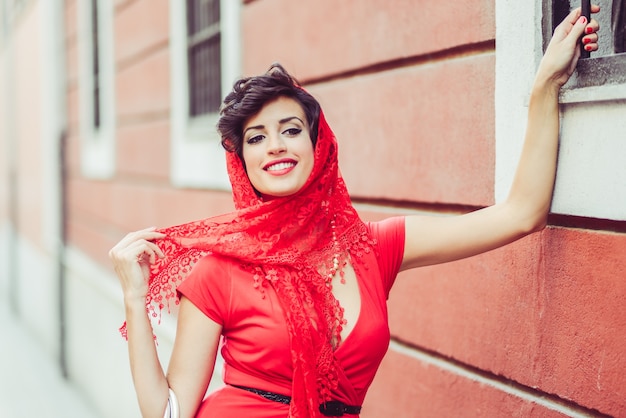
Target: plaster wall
(591, 175)
(29, 226)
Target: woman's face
(277, 148)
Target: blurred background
(107, 125)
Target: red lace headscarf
(289, 244)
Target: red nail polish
(582, 19)
(589, 29)
(586, 40)
(588, 48)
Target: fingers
(142, 250)
(564, 49)
(571, 27)
(147, 234)
(590, 42)
(579, 27)
(590, 36)
(580, 30)
(575, 14)
(573, 19)
(137, 244)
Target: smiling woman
(286, 277)
(277, 148)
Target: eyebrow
(284, 120)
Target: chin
(270, 194)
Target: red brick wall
(546, 312)
(332, 38)
(400, 79)
(139, 195)
(408, 88)
(420, 133)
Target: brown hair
(250, 94)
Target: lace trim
(288, 243)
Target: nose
(275, 144)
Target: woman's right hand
(131, 259)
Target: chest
(256, 322)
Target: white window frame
(591, 178)
(97, 158)
(197, 158)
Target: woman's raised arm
(432, 240)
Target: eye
(292, 131)
(254, 139)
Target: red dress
(256, 348)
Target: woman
(285, 278)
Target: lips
(280, 165)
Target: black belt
(328, 409)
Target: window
(95, 68)
(591, 180)
(608, 64)
(96, 88)
(204, 56)
(618, 26)
(611, 20)
(205, 61)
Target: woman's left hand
(563, 51)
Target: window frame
(600, 71)
(97, 159)
(197, 158)
(202, 41)
(590, 179)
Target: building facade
(107, 122)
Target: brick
(423, 133)
(139, 27)
(144, 150)
(73, 106)
(137, 204)
(70, 42)
(90, 199)
(144, 87)
(91, 241)
(72, 150)
(70, 21)
(334, 37)
(122, 3)
(71, 63)
(407, 387)
(547, 311)
(101, 213)
(198, 204)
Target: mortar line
(448, 54)
(551, 402)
